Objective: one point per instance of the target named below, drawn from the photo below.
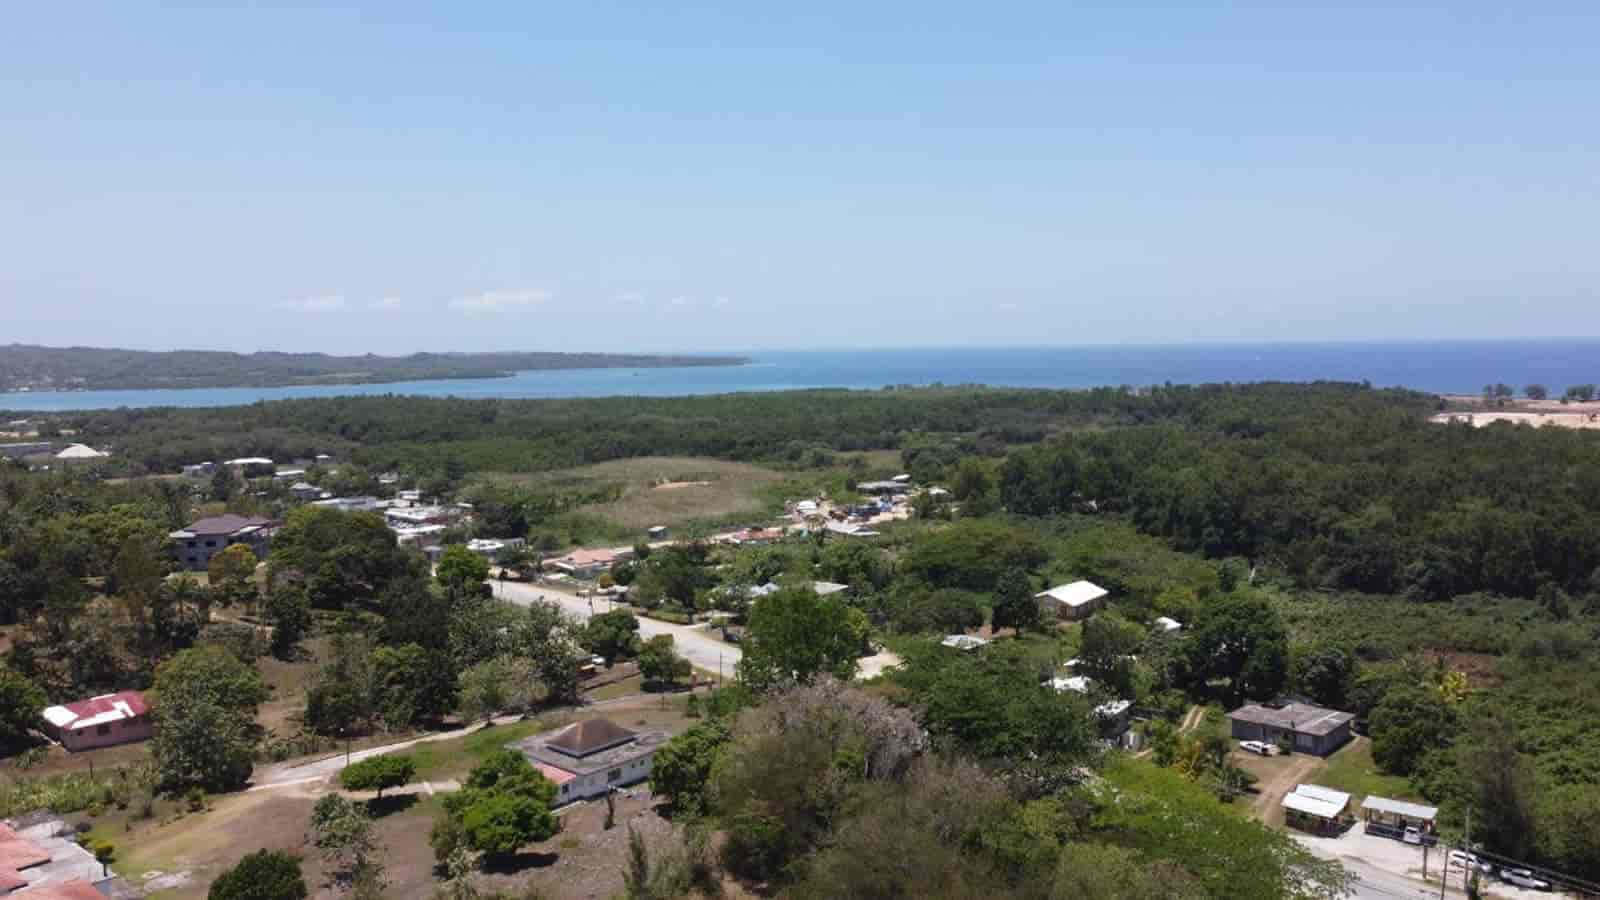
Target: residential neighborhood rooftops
(1315, 800)
(1075, 594)
(97, 710)
(1297, 717)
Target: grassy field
(668, 490)
(1352, 770)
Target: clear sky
(681, 176)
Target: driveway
(703, 651)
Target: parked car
(1261, 747)
(1412, 835)
(1524, 878)
(1463, 859)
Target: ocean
(1437, 366)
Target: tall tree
(203, 715)
(793, 634)
(1014, 603)
(21, 702)
(1238, 637)
(659, 662)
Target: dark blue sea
(1441, 367)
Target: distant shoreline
(28, 369)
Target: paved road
(704, 651)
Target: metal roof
(1075, 594)
(1400, 808)
(1315, 800)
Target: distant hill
(89, 368)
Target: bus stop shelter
(1390, 818)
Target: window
(102, 729)
(564, 788)
(211, 543)
(191, 544)
(614, 775)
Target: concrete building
(349, 504)
(592, 757)
(1313, 729)
(99, 721)
(196, 544)
(1074, 602)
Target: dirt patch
(680, 485)
(1277, 776)
(1482, 670)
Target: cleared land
(668, 490)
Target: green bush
(262, 875)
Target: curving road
(693, 643)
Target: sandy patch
(1536, 419)
(679, 485)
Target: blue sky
(719, 176)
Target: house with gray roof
(1313, 729)
(196, 543)
(592, 757)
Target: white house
(1167, 624)
(591, 757)
(1073, 601)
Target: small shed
(1317, 809)
(1398, 814)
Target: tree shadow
(379, 807)
(513, 863)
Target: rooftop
(592, 745)
(1075, 594)
(1315, 800)
(1400, 808)
(97, 710)
(39, 862)
(224, 524)
(1302, 718)
(590, 736)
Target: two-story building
(195, 544)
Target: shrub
(262, 875)
(377, 773)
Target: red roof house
(99, 721)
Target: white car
(1463, 860)
(1524, 878)
(1261, 747)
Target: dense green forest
(1324, 541)
(90, 368)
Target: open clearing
(667, 490)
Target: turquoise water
(1456, 366)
